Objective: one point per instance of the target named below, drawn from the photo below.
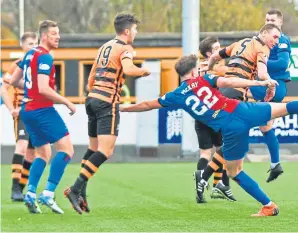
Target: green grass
(156, 198)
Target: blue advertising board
(169, 125)
(286, 130)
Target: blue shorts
(259, 92)
(236, 133)
(44, 126)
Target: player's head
(28, 41)
(274, 16)
(49, 33)
(187, 66)
(126, 25)
(208, 46)
(270, 34)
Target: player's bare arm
(7, 101)
(263, 75)
(142, 107)
(46, 90)
(221, 54)
(214, 58)
(4, 94)
(236, 82)
(262, 70)
(132, 70)
(17, 78)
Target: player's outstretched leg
(251, 187)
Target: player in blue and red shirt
(201, 99)
(278, 70)
(42, 121)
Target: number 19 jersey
(201, 99)
(106, 77)
(37, 61)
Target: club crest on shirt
(282, 45)
(43, 66)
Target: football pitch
(156, 197)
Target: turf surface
(156, 198)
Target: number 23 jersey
(201, 99)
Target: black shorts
(207, 137)
(103, 117)
(233, 93)
(21, 132)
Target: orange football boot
(271, 210)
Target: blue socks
(292, 107)
(273, 145)
(58, 165)
(251, 187)
(36, 171)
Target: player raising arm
(201, 99)
(248, 57)
(112, 63)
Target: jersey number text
(209, 100)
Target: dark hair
(27, 35)
(124, 21)
(269, 27)
(275, 12)
(45, 25)
(185, 64)
(206, 45)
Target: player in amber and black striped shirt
(107, 76)
(24, 148)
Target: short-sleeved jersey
(106, 77)
(201, 99)
(18, 93)
(37, 61)
(245, 54)
(284, 45)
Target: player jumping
(248, 58)
(278, 70)
(201, 99)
